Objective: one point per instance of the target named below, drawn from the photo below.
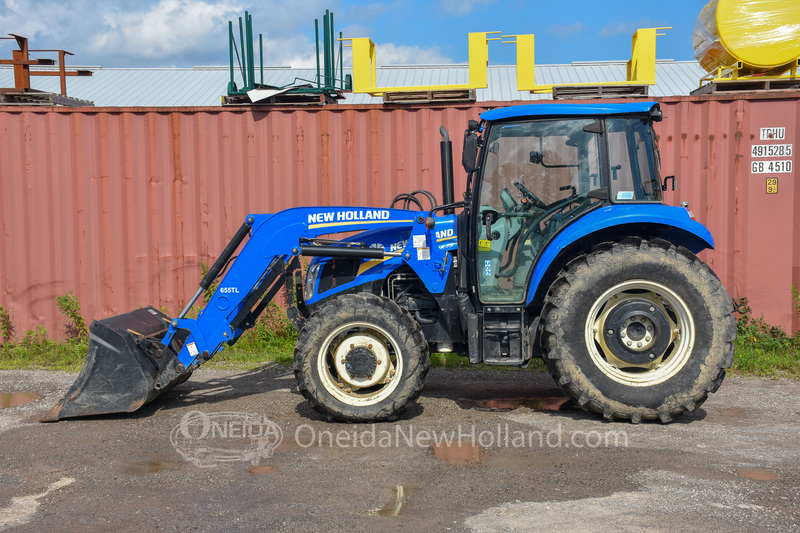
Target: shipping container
(122, 206)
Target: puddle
(557, 403)
(394, 507)
(459, 453)
(13, 399)
(736, 413)
(150, 467)
(261, 469)
(758, 474)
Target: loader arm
(256, 274)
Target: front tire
(638, 330)
(360, 358)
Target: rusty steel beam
(23, 63)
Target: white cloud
(40, 18)
(460, 8)
(296, 51)
(625, 28)
(168, 29)
(357, 30)
(394, 54)
(370, 11)
(567, 30)
(131, 33)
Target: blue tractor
(562, 249)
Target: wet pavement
(13, 399)
(480, 451)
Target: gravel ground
(529, 461)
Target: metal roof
(205, 86)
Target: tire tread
(418, 360)
(559, 361)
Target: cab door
(536, 176)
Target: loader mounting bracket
(296, 308)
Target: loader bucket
(121, 368)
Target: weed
(35, 337)
(209, 292)
(271, 339)
(449, 360)
(273, 324)
(70, 307)
(766, 350)
(36, 351)
(7, 327)
(761, 349)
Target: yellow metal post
(364, 66)
(642, 65)
(526, 60)
(479, 59)
(641, 68)
(364, 70)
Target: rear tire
(638, 330)
(360, 358)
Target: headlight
(311, 278)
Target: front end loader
(135, 357)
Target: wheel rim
(360, 364)
(640, 333)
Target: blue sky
(185, 33)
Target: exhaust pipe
(446, 149)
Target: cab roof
(572, 110)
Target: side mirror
(664, 184)
(469, 156)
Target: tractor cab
(541, 167)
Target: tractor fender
(674, 224)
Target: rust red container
(122, 205)
(734, 158)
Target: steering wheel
(532, 198)
(509, 204)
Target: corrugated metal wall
(122, 205)
(708, 143)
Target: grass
(36, 351)
(270, 340)
(766, 351)
(762, 350)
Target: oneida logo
(208, 439)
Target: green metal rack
(327, 87)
